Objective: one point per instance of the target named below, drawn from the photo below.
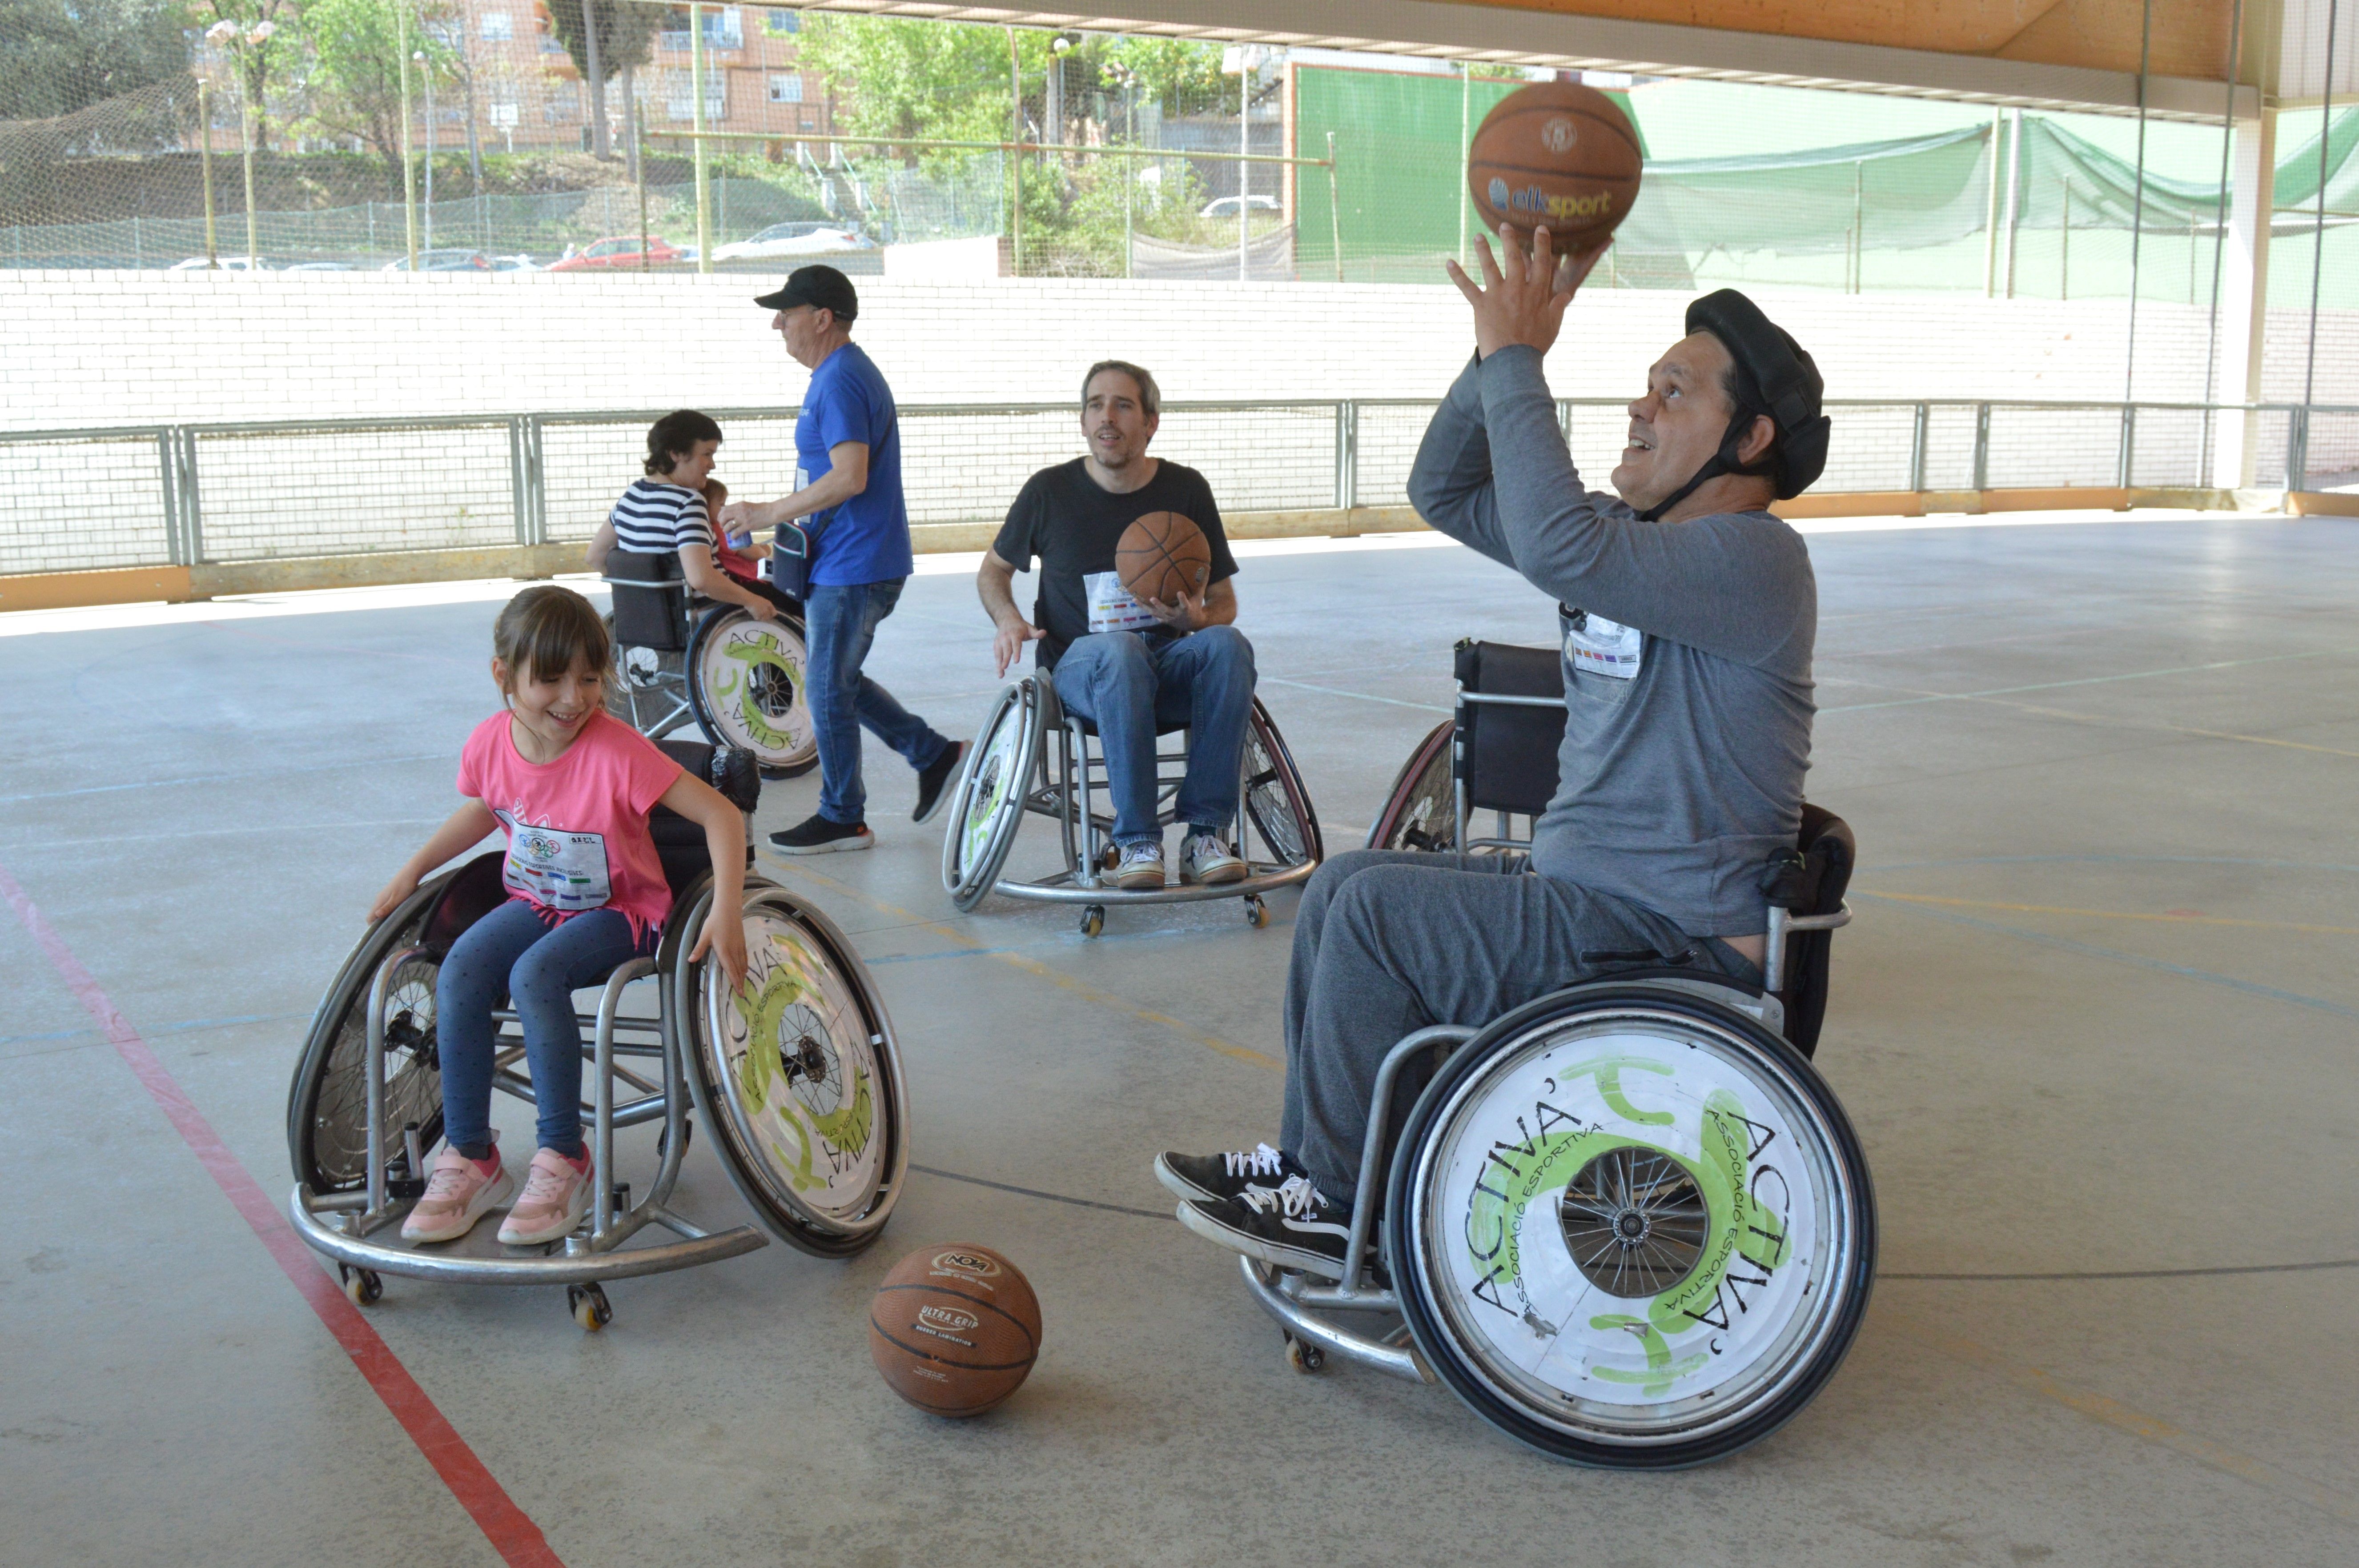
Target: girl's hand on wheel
(403, 884)
(723, 937)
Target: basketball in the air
(954, 1329)
(1554, 154)
(1162, 556)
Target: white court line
(406, 596)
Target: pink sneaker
(458, 1191)
(556, 1193)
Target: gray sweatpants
(1388, 941)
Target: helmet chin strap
(1721, 462)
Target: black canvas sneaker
(1215, 1178)
(1291, 1226)
(934, 781)
(819, 837)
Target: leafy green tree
(1183, 77)
(355, 77)
(605, 37)
(912, 79)
(265, 42)
(64, 56)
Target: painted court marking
(508, 1527)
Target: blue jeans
(840, 622)
(1130, 686)
(510, 951)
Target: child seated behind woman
(741, 555)
(666, 511)
(571, 786)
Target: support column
(2245, 296)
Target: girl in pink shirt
(572, 788)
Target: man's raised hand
(1522, 299)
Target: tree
(910, 78)
(63, 57)
(274, 29)
(619, 36)
(356, 71)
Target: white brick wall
(124, 348)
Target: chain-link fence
(214, 494)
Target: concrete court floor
(2094, 1022)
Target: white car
(227, 263)
(515, 264)
(1226, 206)
(798, 239)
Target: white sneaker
(1204, 858)
(1141, 866)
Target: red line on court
(509, 1529)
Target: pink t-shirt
(577, 826)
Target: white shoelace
(1205, 846)
(442, 1184)
(1259, 1161)
(1143, 854)
(1295, 1197)
(545, 1186)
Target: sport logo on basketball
(1558, 135)
(949, 1318)
(965, 1263)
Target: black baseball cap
(821, 287)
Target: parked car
(515, 264)
(622, 251)
(321, 266)
(442, 261)
(227, 263)
(1226, 206)
(796, 239)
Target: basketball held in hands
(1163, 556)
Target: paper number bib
(1112, 609)
(1594, 645)
(557, 870)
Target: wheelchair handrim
(825, 1149)
(1275, 796)
(750, 691)
(1742, 1339)
(989, 802)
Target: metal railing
(191, 494)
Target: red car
(621, 251)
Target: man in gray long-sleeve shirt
(1687, 614)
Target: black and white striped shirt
(654, 518)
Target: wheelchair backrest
(1829, 853)
(679, 843)
(650, 600)
(471, 893)
(1505, 753)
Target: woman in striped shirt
(665, 512)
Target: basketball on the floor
(954, 1329)
(1161, 556)
(1557, 154)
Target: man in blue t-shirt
(848, 493)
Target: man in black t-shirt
(1130, 667)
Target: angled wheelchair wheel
(800, 1079)
(327, 1104)
(1631, 1228)
(1275, 802)
(1420, 811)
(988, 808)
(745, 681)
(649, 688)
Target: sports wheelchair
(1006, 774)
(1627, 1223)
(680, 660)
(798, 1077)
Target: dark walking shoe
(1215, 1178)
(934, 781)
(1291, 1226)
(820, 836)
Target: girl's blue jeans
(540, 968)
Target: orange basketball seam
(878, 1329)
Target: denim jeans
(1129, 685)
(511, 951)
(840, 623)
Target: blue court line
(159, 1028)
(2090, 950)
(2086, 680)
(221, 778)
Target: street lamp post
(426, 73)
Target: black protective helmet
(1776, 378)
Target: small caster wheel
(362, 1286)
(588, 1304)
(687, 1138)
(1257, 911)
(1302, 1357)
(1093, 920)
